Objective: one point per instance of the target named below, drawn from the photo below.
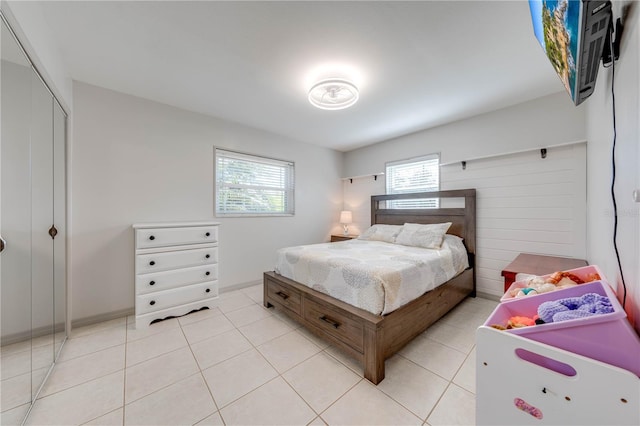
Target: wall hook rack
(543, 153)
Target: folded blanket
(574, 307)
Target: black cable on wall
(613, 172)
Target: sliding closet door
(15, 227)
(59, 218)
(41, 223)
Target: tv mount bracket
(608, 56)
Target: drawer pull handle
(328, 320)
(208, 290)
(285, 296)
(207, 256)
(152, 263)
(152, 283)
(207, 273)
(151, 237)
(207, 234)
(153, 302)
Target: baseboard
(239, 286)
(30, 334)
(126, 312)
(102, 317)
(488, 296)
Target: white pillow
(385, 233)
(426, 236)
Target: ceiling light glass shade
(333, 94)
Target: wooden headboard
(463, 219)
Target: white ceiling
(417, 64)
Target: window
(414, 175)
(249, 185)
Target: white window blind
(421, 174)
(253, 186)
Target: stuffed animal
(520, 321)
(556, 281)
(574, 307)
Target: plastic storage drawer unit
(608, 338)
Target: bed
(372, 338)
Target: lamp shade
(346, 217)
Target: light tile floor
(243, 364)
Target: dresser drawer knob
(153, 302)
(208, 290)
(152, 283)
(207, 273)
(151, 237)
(152, 263)
(285, 296)
(207, 234)
(207, 256)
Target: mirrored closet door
(32, 228)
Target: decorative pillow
(385, 233)
(426, 236)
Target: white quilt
(375, 276)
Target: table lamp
(345, 219)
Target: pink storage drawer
(583, 273)
(608, 338)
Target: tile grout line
(124, 381)
(268, 362)
(279, 374)
(215, 403)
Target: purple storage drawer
(608, 338)
(583, 273)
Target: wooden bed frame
(373, 338)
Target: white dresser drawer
(178, 296)
(162, 261)
(162, 237)
(156, 281)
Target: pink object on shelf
(608, 338)
(583, 273)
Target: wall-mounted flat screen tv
(573, 34)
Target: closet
(32, 228)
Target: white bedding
(376, 276)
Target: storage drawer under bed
(334, 323)
(286, 297)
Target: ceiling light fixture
(333, 94)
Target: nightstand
(538, 265)
(335, 238)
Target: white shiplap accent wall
(525, 204)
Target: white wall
(141, 161)
(27, 20)
(599, 172)
(543, 122)
(525, 204)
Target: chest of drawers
(176, 269)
